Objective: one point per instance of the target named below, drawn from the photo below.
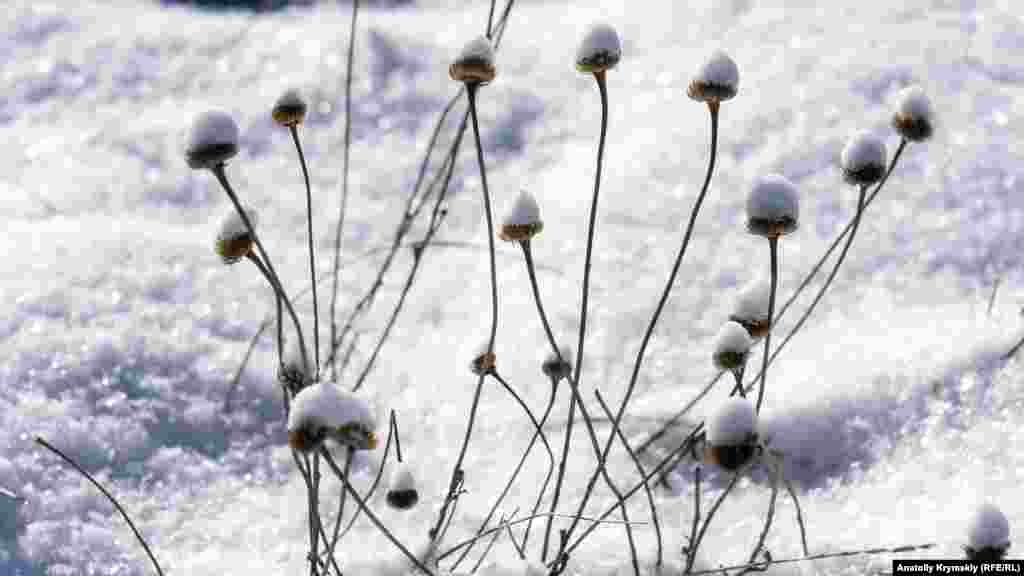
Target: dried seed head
(599, 50)
(296, 371)
(483, 363)
(734, 423)
(732, 346)
(522, 221)
(773, 207)
(402, 493)
(750, 309)
(730, 458)
(913, 119)
(717, 80)
(234, 241)
(212, 140)
(558, 369)
(323, 411)
(863, 159)
(988, 535)
(475, 63)
(290, 109)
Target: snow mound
(600, 48)
(478, 50)
(401, 478)
(524, 211)
(751, 304)
(213, 138)
(732, 423)
(913, 103)
(718, 70)
(773, 198)
(988, 528)
(232, 227)
(325, 405)
(863, 151)
(732, 338)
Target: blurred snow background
(120, 329)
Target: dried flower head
(863, 159)
(325, 411)
(988, 535)
(290, 109)
(295, 371)
(234, 241)
(750, 309)
(773, 207)
(717, 80)
(732, 346)
(522, 221)
(402, 493)
(599, 50)
(483, 362)
(558, 369)
(913, 119)
(732, 434)
(475, 63)
(212, 140)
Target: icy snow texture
(863, 150)
(751, 304)
(212, 128)
(600, 45)
(773, 197)
(988, 528)
(732, 338)
(913, 103)
(479, 49)
(325, 405)
(232, 226)
(401, 478)
(732, 423)
(718, 70)
(524, 211)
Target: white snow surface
(863, 149)
(211, 128)
(913, 103)
(752, 301)
(479, 48)
(732, 422)
(327, 405)
(718, 70)
(121, 331)
(988, 528)
(599, 38)
(523, 211)
(232, 225)
(732, 337)
(773, 197)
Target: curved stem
(312, 257)
(376, 482)
(773, 249)
(707, 521)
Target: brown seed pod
(519, 232)
(484, 363)
(289, 110)
(233, 249)
(730, 458)
(475, 64)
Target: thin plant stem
(490, 19)
(799, 514)
(678, 415)
(690, 550)
(738, 378)
(398, 442)
(369, 513)
(707, 521)
(314, 503)
(490, 545)
(768, 518)
(341, 504)
(773, 251)
(520, 550)
(272, 277)
(992, 296)
(312, 256)
(346, 152)
(237, 378)
(376, 481)
(124, 514)
(870, 551)
(640, 470)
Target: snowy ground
(120, 329)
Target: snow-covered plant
(988, 534)
(600, 49)
(558, 366)
(914, 118)
(295, 370)
(325, 411)
(402, 493)
(522, 220)
(732, 434)
(750, 307)
(717, 79)
(773, 206)
(475, 62)
(732, 346)
(290, 109)
(212, 140)
(234, 241)
(863, 160)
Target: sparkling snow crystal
(988, 528)
(733, 423)
(212, 139)
(600, 48)
(863, 159)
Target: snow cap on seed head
(988, 530)
(734, 423)
(402, 493)
(212, 139)
(600, 48)
(750, 308)
(324, 410)
(863, 159)
(717, 80)
(233, 238)
(290, 109)
(475, 63)
(732, 345)
(913, 119)
(773, 206)
(522, 221)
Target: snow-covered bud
(295, 371)
(773, 207)
(913, 119)
(750, 309)
(717, 80)
(475, 64)
(988, 535)
(732, 434)
(289, 110)
(234, 241)
(402, 493)
(212, 140)
(558, 369)
(732, 346)
(483, 361)
(863, 159)
(522, 221)
(599, 50)
(324, 411)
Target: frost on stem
(599, 50)
(750, 309)
(914, 119)
(988, 535)
(325, 411)
(475, 63)
(294, 371)
(289, 110)
(732, 434)
(732, 346)
(522, 221)
(212, 140)
(863, 160)
(717, 80)
(773, 207)
(402, 493)
(234, 241)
